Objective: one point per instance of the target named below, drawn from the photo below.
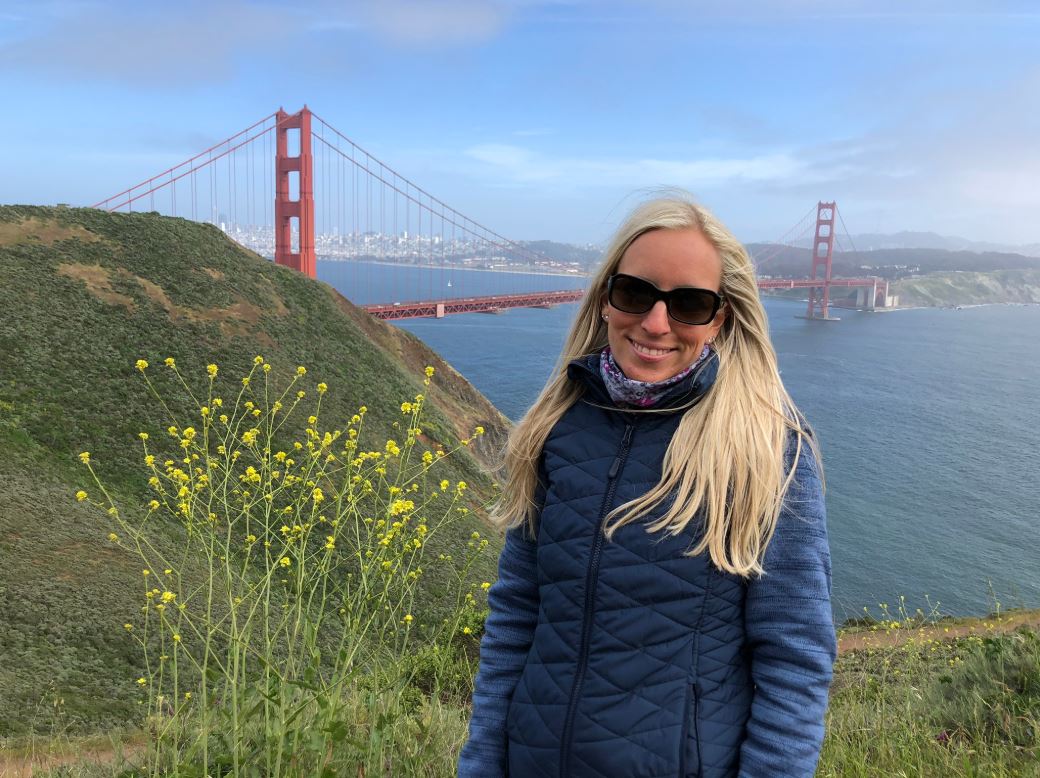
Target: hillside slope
(85, 294)
(965, 288)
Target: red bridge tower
(822, 254)
(302, 207)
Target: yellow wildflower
(212, 370)
(168, 596)
(141, 681)
(285, 561)
(258, 360)
(142, 365)
(176, 638)
(445, 485)
(301, 371)
(85, 457)
(429, 371)
(322, 388)
(406, 407)
(267, 368)
(113, 537)
(81, 495)
(169, 362)
(408, 619)
(142, 435)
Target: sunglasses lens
(632, 295)
(692, 306)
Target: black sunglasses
(685, 304)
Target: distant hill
(792, 262)
(873, 241)
(586, 256)
(967, 288)
(84, 295)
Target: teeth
(650, 352)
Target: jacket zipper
(591, 577)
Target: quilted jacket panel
(643, 661)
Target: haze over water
(929, 422)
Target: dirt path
(24, 762)
(884, 638)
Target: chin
(649, 373)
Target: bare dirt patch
(41, 232)
(98, 281)
(24, 762)
(886, 638)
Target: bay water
(928, 419)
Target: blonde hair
(726, 460)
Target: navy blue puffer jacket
(626, 657)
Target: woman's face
(653, 346)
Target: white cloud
(188, 42)
(515, 165)
(440, 22)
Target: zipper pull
(616, 464)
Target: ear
(716, 324)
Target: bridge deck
(495, 303)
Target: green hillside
(86, 294)
(968, 288)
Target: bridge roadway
(495, 303)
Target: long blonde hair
(726, 460)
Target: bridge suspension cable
(799, 230)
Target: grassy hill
(86, 294)
(967, 288)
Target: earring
(604, 316)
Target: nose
(655, 321)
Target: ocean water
(929, 421)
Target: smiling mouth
(648, 351)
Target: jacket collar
(585, 371)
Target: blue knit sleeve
(791, 639)
(508, 634)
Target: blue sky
(547, 119)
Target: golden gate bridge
(293, 187)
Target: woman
(663, 601)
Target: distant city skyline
(548, 119)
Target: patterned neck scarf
(640, 394)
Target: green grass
(85, 294)
(930, 707)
